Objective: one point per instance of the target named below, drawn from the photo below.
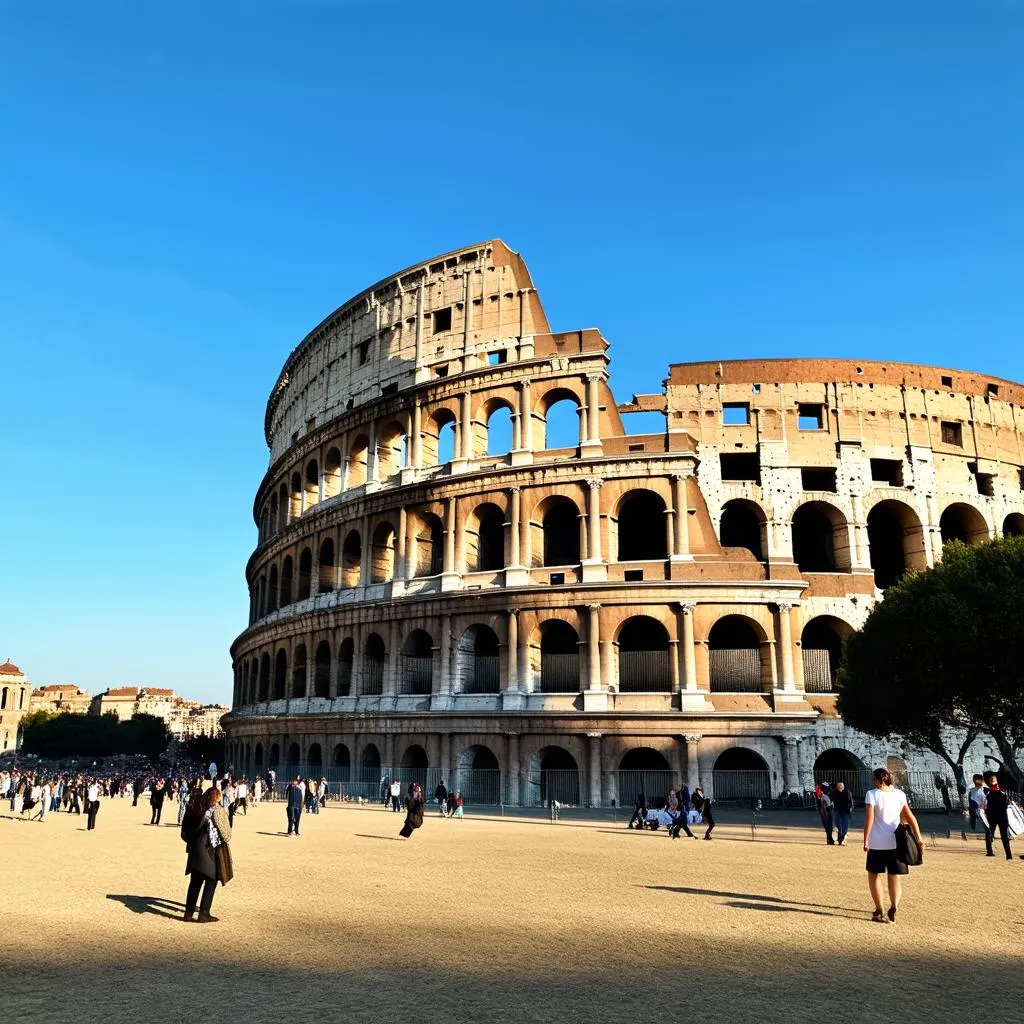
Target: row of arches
(740, 656)
(381, 453)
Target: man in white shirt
(92, 801)
(396, 794)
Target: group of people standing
(988, 804)
(31, 791)
(835, 805)
(677, 812)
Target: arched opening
(644, 769)
(315, 760)
(478, 778)
(374, 656)
(351, 559)
(275, 515)
(295, 498)
(895, 541)
(369, 763)
(644, 659)
(560, 528)
(822, 646)
(499, 431)
(821, 539)
(282, 506)
(341, 761)
(561, 420)
(327, 571)
(312, 483)
(332, 473)
(963, 523)
(322, 670)
(355, 471)
(298, 688)
(382, 554)
(417, 675)
(743, 526)
(429, 545)
(642, 528)
(734, 647)
(554, 775)
(484, 540)
(294, 759)
(273, 591)
(414, 768)
(287, 572)
(838, 765)
(280, 675)
(477, 661)
(265, 677)
(275, 756)
(305, 574)
(559, 657)
(438, 439)
(346, 658)
(1013, 525)
(257, 758)
(392, 450)
(262, 594)
(741, 774)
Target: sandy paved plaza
(490, 920)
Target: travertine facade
(604, 604)
(61, 698)
(15, 700)
(184, 718)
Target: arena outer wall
(434, 598)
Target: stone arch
(327, 572)
(560, 409)
(555, 532)
(374, 658)
(382, 553)
(358, 459)
(265, 676)
(555, 654)
(821, 644)
(332, 473)
(741, 774)
(834, 764)
(963, 522)
(298, 687)
(477, 661)
(821, 538)
(275, 515)
(641, 527)
(314, 760)
(257, 758)
(351, 560)
(735, 645)
(644, 769)
(414, 766)
(261, 596)
(743, 524)
(1013, 525)
(295, 498)
(478, 776)
(305, 587)
(392, 450)
(341, 761)
(282, 506)
(429, 545)
(895, 541)
(483, 539)
(346, 660)
(497, 432)
(280, 675)
(311, 494)
(274, 759)
(417, 661)
(293, 759)
(554, 775)
(273, 591)
(645, 664)
(369, 759)
(287, 578)
(322, 670)
(438, 438)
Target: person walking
(826, 812)
(639, 810)
(92, 803)
(703, 807)
(976, 802)
(842, 802)
(885, 808)
(242, 797)
(156, 801)
(207, 836)
(293, 807)
(441, 796)
(681, 824)
(995, 809)
(182, 799)
(413, 811)
(396, 795)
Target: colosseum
(467, 569)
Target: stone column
(593, 412)
(441, 699)
(594, 568)
(785, 652)
(372, 457)
(446, 759)
(389, 752)
(401, 545)
(681, 549)
(593, 649)
(526, 415)
(689, 653)
(512, 794)
(515, 513)
(790, 763)
(466, 424)
(416, 441)
(366, 554)
(512, 652)
(594, 787)
(391, 663)
(692, 741)
(449, 571)
(420, 372)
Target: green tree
(939, 659)
(143, 734)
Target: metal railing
(818, 677)
(417, 674)
(559, 673)
(655, 786)
(645, 672)
(485, 678)
(373, 677)
(741, 785)
(735, 670)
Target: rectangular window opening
(815, 478)
(887, 471)
(556, 579)
(993, 390)
(735, 414)
(497, 358)
(810, 417)
(636, 447)
(441, 371)
(953, 433)
(757, 389)
(740, 466)
(986, 484)
(947, 382)
(442, 320)
(633, 575)
(364, 352)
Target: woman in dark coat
(413, 810)
(204, 829)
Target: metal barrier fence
(740, 785)
(655, 786)
(735, 670)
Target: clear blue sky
(186, 189)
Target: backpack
(907, 850)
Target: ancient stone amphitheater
(467, 568)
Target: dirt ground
(490, 920)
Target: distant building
(184, 718)
(61, 698)
(15, 702)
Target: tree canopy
(939, 659)
(68, 735)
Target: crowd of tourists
(676, 812)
